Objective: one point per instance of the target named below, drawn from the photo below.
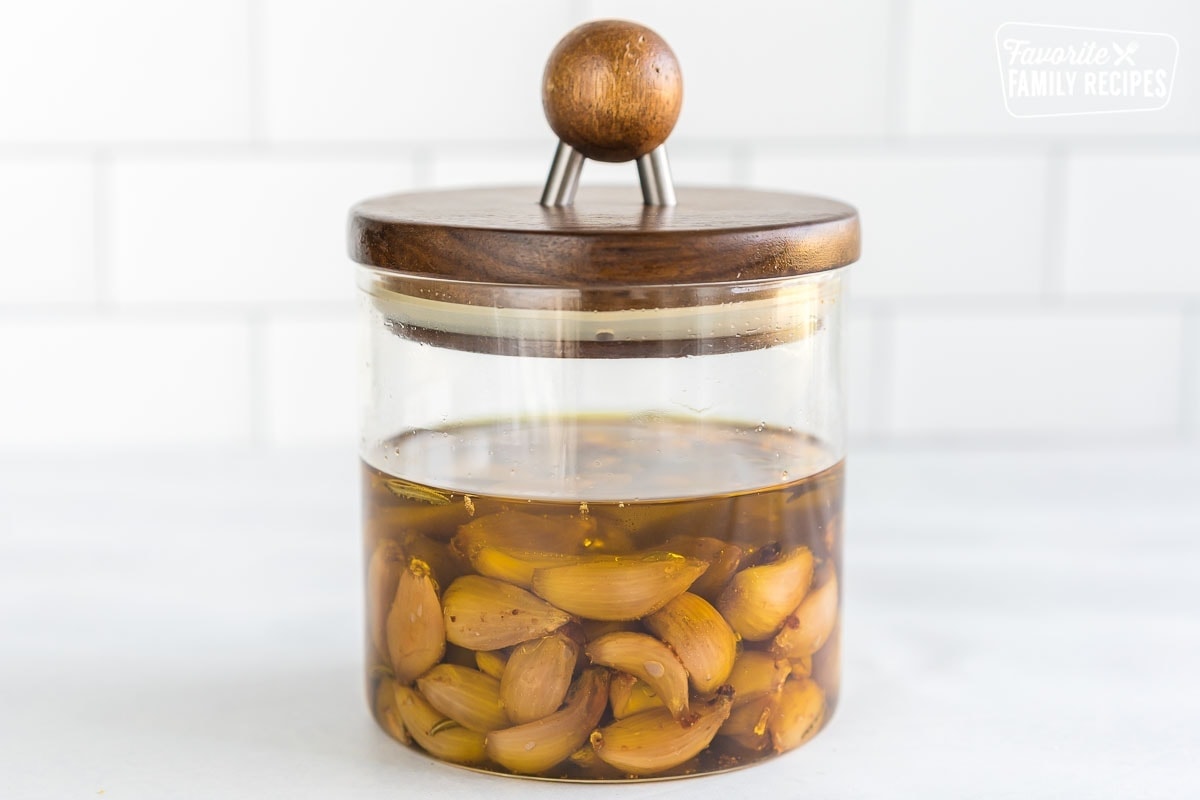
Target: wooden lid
(607, 238)
(612, 91)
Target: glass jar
(602, 455)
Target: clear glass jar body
(602, 526)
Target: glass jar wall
(602, 526)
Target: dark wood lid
(608, 238)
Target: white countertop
(1017, 626)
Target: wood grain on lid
(608, 238)
(612, 90)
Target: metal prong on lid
(654, 172)
(563, 179)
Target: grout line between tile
(171, 311)
(981, 146)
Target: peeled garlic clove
(519, 530)
(383, 575)
(628, 695)
(809, 626)
(487, 614)
(722, 557)
(416, 635)
(516, 566)
(439, 736)
(537, 746)
(748, 723)
(653, 741)
(465, 695)
(648, 659)
(756, 674)
(700, 637)
(798, 715)
(537, 677)
(758, 599)
(623, 588)
(491, 662)
(386, 712)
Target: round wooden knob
(612, 90)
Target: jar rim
(604, 322)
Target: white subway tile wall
(47, 230)
(954, 76)
(239, 229)
(862, 377)
(377, 71)
(1127, 215)
(87, 380)
(175, 176)
(936, 225)
(1030, 374)
(84, 72)
(1191, 378)
(496, 166)
(772, 69)
(310, 380)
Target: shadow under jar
(602, 457)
